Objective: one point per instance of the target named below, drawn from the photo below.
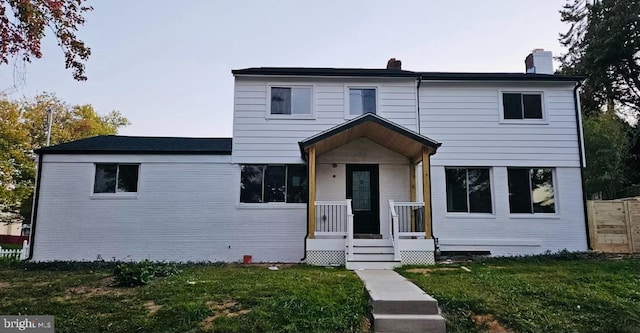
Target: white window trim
(311, 115)
(347, 101)
(541, 92)
(534, 215)
(117, 195)
(469, 214)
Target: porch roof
(376, 129)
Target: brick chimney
(394, 64)
(539, 61)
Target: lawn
(552, 293)
(10, 246)
(203, 298)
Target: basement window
(273, 183)
(116, 178)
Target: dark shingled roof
(115, 144)
(379, 72)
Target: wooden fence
(614, 225)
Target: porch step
(373, 249)
(365, 265)
(372, 242)
(401, 323)
(373, 256)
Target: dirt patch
(152, 307)
(426, 271)
(225, 309)
(365, 325)
(5, 285)
(103, 287)
(489, 323)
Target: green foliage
(555, 292)
(203, 298)
(607, 149)
(23, 126)
(141, 273)
(603, 44)
(23, 25)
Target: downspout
(418, 100)
(34, 212)
(582, 158)
(306, 235)
(435, 240)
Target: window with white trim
(290, 101)
(531, 190)
(273, 183)
(468, 190)
(362, 100)
(116, 178)
(516, 105)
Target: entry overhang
(376, 129)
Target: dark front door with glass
(363, 190)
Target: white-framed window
(531, 190)
(361, 100)
(260, 183)
(522, 106)
(286, 101)
(116, 178)
(468, 190)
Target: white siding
(393, 174)
(186, 210)
(506, 234)
(257, 139)
(465, 117)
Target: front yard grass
(549, 293)
(203, 298)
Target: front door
(363, 190)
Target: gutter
(34, 212)
(583, 165)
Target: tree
(23, 127)
(603, 44)
(23, 24)
(607, 146)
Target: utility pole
(49, 122)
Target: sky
(166, 65)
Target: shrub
(140, 273)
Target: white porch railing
(349, 248)
(410, 216)
(16, 254)
(394, 230)
(331, 218)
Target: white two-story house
(363, 167)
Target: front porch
(369, 195)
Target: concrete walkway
(399, 305)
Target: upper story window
(522, 105)
(531, 190)
(116, 178)
(468, 190)
(361, 101)
(273, 183)
(290, 101)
